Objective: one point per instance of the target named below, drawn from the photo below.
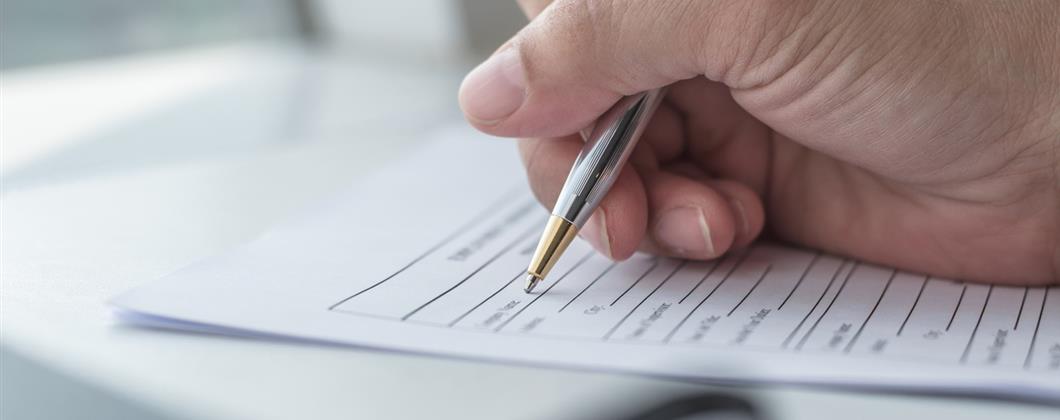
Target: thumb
(578, 57)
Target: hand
(923, 135)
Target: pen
(606, 150)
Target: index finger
(619, 223)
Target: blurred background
(99, 86)
(138, 136)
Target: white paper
(428, 256)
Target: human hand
(924, 135)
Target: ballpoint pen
(606, 150)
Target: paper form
(429, 256)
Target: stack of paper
(429, 254)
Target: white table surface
(118, 172)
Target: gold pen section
(557, 236)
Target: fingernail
(494, 89)
(595, 231)
(684, 231)
(743, 228)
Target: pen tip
(531, 282)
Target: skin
(918, 134)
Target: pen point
(531, 282)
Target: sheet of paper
(429, 254)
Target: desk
(140, 191)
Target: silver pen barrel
(607, 148)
